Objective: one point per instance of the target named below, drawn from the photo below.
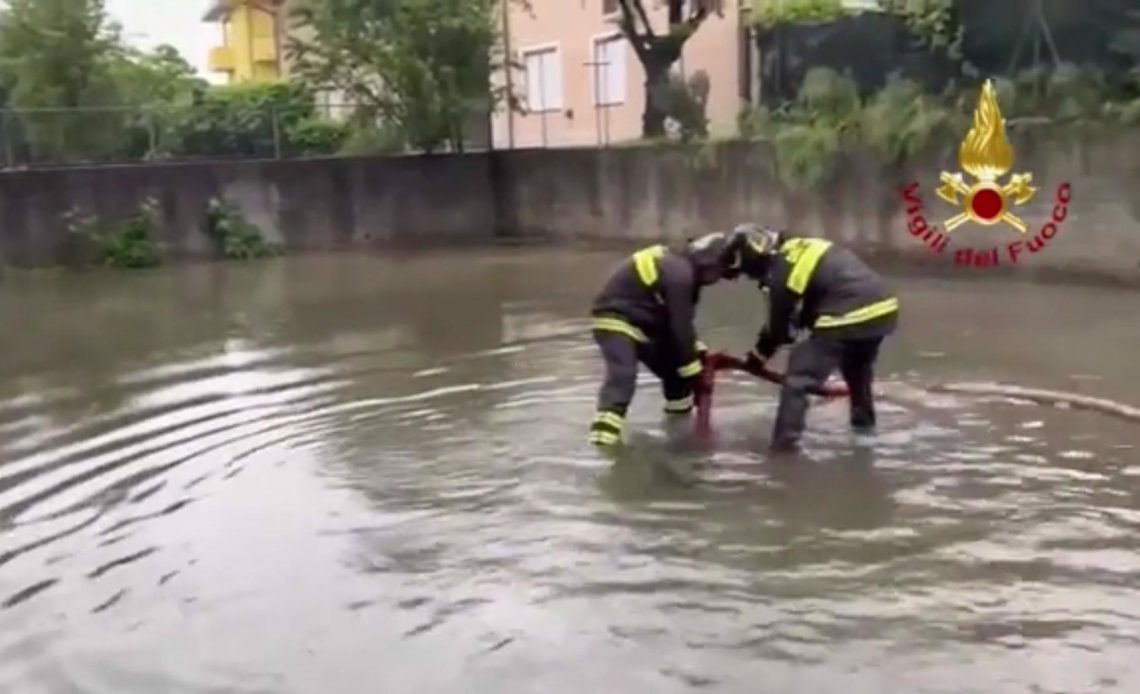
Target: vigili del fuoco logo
(985, 156)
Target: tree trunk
(656, 81)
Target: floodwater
(349, 474)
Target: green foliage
(161, 76)
(806, 155)
(816, 127)
(54, 55)
(315, 136)
(365, 139)
(754, 122)
(772, 13)
(422, 65)
(236, 237)
(932, 21)
(129, 245)
(75, 92)
(901, 122)
(828, 97)
(245, 120)
(685, 102)
(1130, 113)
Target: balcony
(218, 10)
(221, 59)
(264, 50)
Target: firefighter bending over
(846, 306)
(645, 314)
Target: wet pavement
(348, 474)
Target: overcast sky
(177, 22)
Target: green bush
(828, 97)
(130, 245)
(367, 139)
(806, 155)
(900, 122)
(248, 120)
(236, 237)
(767, 14)
(316, 136)
(811, 132)
(754, 122)
(686, 103)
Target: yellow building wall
(250, 45)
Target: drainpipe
(509, 71)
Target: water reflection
(228, 478)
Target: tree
(658, 51)
(161, 76)
(52, 61)
(421, 65)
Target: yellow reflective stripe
(611, 419)
(702, 347)
(617, 325)
(645, 262)
(691, 369)
(679, 405)
(860, 315)
(604, 438)
(804, 255)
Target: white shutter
(615, 71)
(533, 81)
(543, 79)
(598, 72)
(553, 79)
(610, 78)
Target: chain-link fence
(1003, 39)
(118, 135)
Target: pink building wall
(571, 27)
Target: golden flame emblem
(986, 155)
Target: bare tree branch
(636, 8)
(628, 25)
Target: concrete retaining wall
(623, 195)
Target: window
(609, 76)
(543, 79)
(609, 7)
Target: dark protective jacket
(653, 295)
(837, 294)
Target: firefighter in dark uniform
(846, 307)
(645, 314)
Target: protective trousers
(621, 354)
(810, 364)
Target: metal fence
(53, 137)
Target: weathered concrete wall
(305, 204)
(623, 195)
(641, 193)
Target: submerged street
(354, 474)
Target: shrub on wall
(236, 237)
(127, 245)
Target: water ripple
(407, 502)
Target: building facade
(580, 83)
(251, 39)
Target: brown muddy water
(348, 474)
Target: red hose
(720, 361)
